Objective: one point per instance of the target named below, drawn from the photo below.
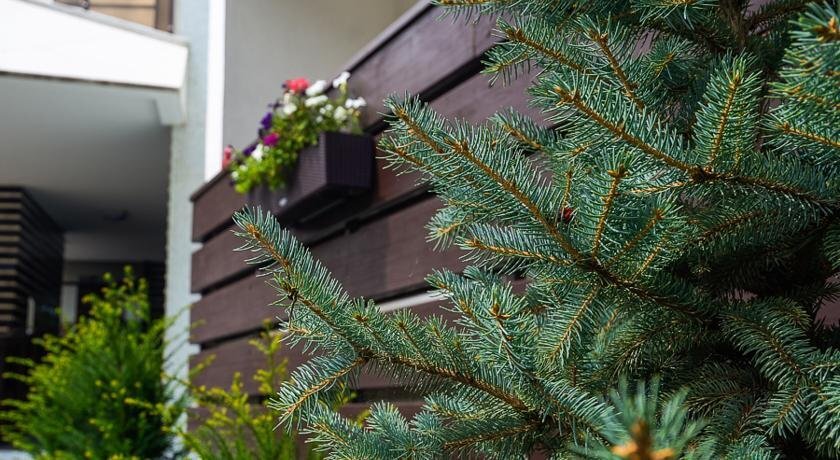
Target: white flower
(316, 88)
(258, 152)
(340, 114)
(357, 103)
(234, 175)
(319, 119)
(341, 79)
(315, 101)
(289, 109)
(287, 98)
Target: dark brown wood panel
(213, 205)
(236, 308)
(475, 100)
(388, 256)
(381, 258)
(417, 59)
(239, 356)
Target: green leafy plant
(99, 391)
(230, 425)
(680, 217)
(293, 123)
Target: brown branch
(517, 35)
(462, 149)
(601, 41)
(617, 176)
(790, 130)
(724, 118)
(466, 379)
(415, 129)
(618, 130)
(654, 219)
(474, 243)
(567, 331)
(521, 137)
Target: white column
(200, 22)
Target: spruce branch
(617, 129)
(675, 216)
(270, 241)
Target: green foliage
(99, 391)
(231, 426)
(678, 218)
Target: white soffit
(54, 41)
(43, 40)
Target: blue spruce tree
(678, 225)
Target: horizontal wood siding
(375, 244)
(31, 253)
(420, 60)
(213, 205)
(385, 258)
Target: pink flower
(270, 140)
(297, 85)
(227, 156)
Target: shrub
(99, 391)
(230, 426)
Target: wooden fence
(376, 245)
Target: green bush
(100, 391)
(232, 427)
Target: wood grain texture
(236, 308)
(380, 259)
(475, 100)
(213, 204)
(417, 59)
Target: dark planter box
(338, 167)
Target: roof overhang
(45, 40)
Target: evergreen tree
(678, 224)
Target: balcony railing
(152, 13)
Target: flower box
(338, 167)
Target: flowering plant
(292, 123)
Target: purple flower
(250, 149)
(271, 139)
(266, 120)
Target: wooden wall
(376, 244)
